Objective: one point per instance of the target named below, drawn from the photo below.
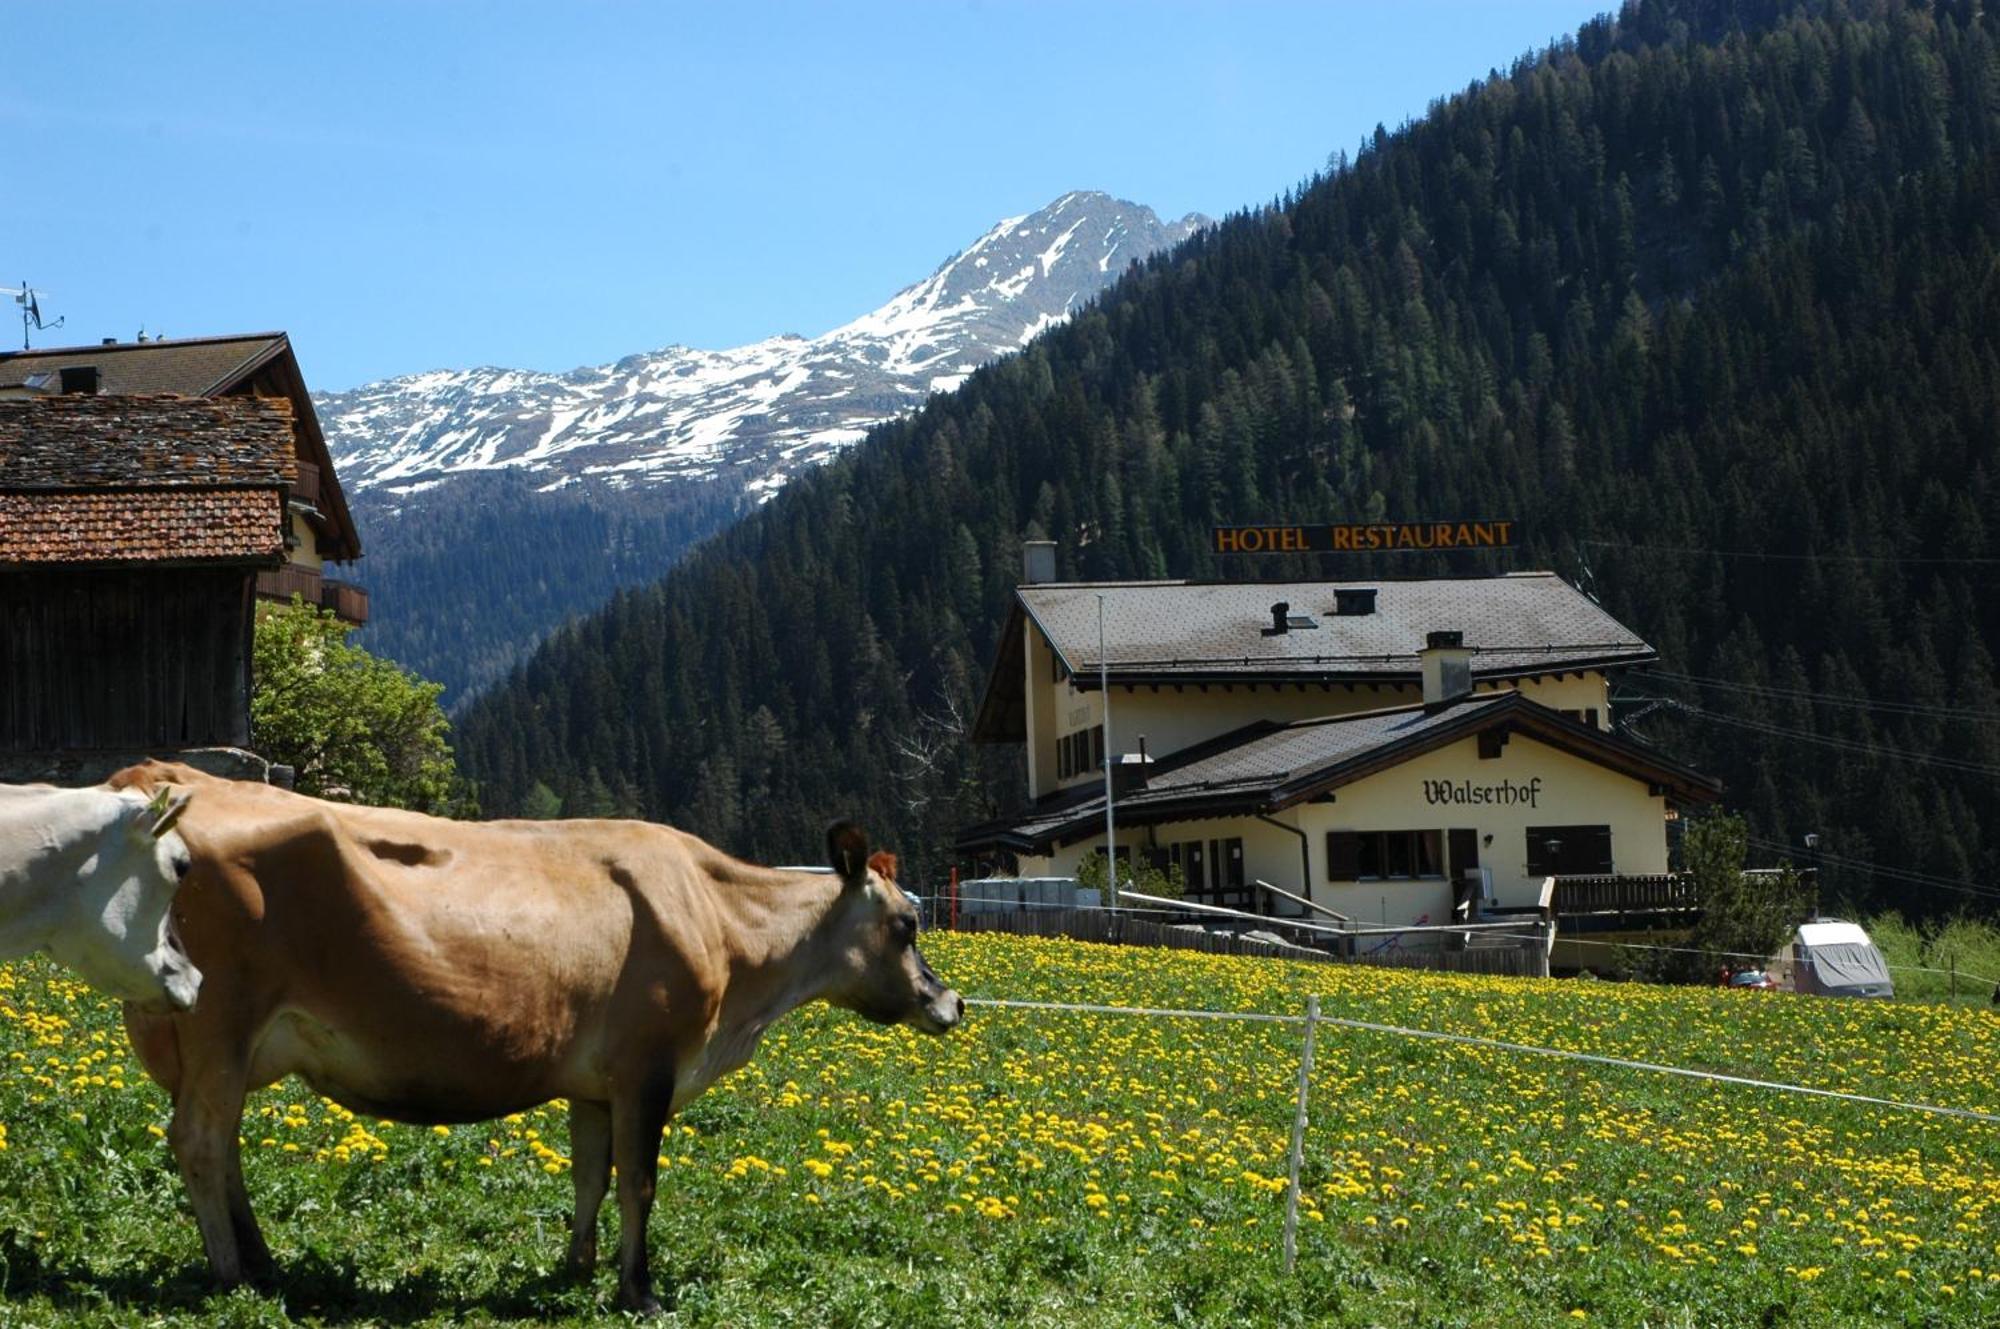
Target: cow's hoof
(261, 1275)
(638, 1303)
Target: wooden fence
(1527, 959)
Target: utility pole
(1110, 756)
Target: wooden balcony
(1625, 904)
(306, 488)
(348, 601)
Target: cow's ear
(883, 864)
(847, 851)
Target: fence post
(1299, 1137)
(954, 898)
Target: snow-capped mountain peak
(753, 414)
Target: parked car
(1757, 979)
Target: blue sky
(440, 185)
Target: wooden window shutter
(1343, 855)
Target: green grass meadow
(1042, 1168)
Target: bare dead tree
(924, 752)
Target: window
(1569, 851)
(1380, 855)
(1080, 752)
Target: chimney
(1281, 614)
(80, 380)
(1349, 601)
(1038, 562)
(1447, 666)
(108, 341)
(1130, 769)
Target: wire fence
(1751, 955)
(1313, 1018)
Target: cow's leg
(638, 1114)
(208, 1113)
(590, 1168)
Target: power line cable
(1901, 876)
(1823, 698)
(1793, 558)
(1838, 744)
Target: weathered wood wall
(145, 660)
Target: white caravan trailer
(1836, 959)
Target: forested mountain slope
(1706, 299)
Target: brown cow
(434, 971)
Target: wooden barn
(150, 493)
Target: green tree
(352, 727)
(1142, 877)
(541, 803)
(1747, 915)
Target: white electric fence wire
(1084, 1008)
(1472, 1040)
(1750, 955)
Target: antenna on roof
(1586, 580)
(31, 310)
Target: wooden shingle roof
(87, 442)
(252, 364)
(108, 481)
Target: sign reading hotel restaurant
(1363, 537)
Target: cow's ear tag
(170, 813)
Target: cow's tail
(157, 1040)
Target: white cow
(87, 875)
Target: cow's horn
(169, 812)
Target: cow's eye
(905, 928)
(183, 864)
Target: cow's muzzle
(941, 1014)
(179, 982)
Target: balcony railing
(1615, 903)
(282, 584)
(348, 601)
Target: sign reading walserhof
(1370, 537)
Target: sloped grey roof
(1304, 746)
(190, 367)
(1518, 626)
(1267, 766)
(1518, 623)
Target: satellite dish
(29, 299)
